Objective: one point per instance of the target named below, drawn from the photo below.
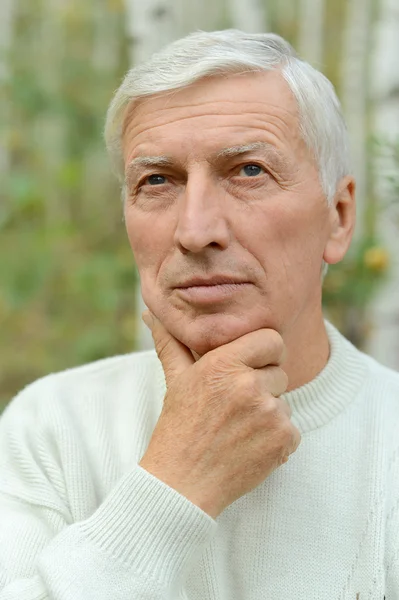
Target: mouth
(210, 281)
(211, 290)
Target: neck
(307, 349)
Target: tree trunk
(311, 31)
(150, 25)
(249, 16)
(355, 95)
(384, 340)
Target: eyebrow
(165, 161)
(149, 161)
(273, 153)
(237, 150)
(145, 161)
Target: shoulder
(374, 375)
(379, 395)
(380, 375)
(103, 380)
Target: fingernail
(147, 318)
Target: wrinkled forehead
(237, 95)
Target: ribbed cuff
(150, 527)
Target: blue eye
(252, 170)
(155, 179)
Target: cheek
(304, 246)
(141, 242)
(288, 241)
(150, 241)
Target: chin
(209, 332)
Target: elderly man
(165, 476)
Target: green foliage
(355, 281)
(67, 273)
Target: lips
(209, 281)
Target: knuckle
(283, 439)
(297, 438)
(245, 394)
(214, 372)
(248, 385)
(293, 439)
(215, 364)
(277, 379)
(276, 344)
(284, 379)
(268, 410)
(270, 404)
(286, 431)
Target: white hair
(227, 52)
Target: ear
(342, 218)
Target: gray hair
(222, 53)
(202, 54)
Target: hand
(223, 428)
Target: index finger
(256, 349)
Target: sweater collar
(333, 389)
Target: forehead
(215, 112)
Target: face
(224, 210)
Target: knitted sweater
(80, 520)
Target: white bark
(150, 26)
(384, 341)
(249, 16)
(311, 31)
(354, 93)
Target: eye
(155, 180)
(251, 170)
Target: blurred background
(69, 293)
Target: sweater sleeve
(138, 545)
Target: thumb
(174, 356)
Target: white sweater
(80, 520)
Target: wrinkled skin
(200, 215)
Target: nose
(202, 219)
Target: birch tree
(384, 339)
(150, 25)
(311, 31)
(249, 16)
(355, 93)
